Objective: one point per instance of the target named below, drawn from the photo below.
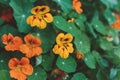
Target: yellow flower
(64, 45)
(40, 17)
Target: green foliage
(68, 65)
(79, 76)
(90, 61)
(92, 31)
(39, 74)
(21, 12)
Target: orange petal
(11, 47)
(27, 69)
(13, 63)
(7, 38)
(24, 61)
(37, 51)
(31, 20)
(24, 49)
(17, 75)
(48, 17)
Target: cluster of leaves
(89, 29)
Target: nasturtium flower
(76, 5)
(19, 69)
(40, 17)
(31, 47)
(116, 25)
(64, 46)
(11, 42)
(79, 55)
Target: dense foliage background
(93, 36)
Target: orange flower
(79, 55)
(117, 23)
(12, 43)
(19, 69)
(76, 5)
(31, 48)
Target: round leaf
(68, 65)
(38, 74)
(79, 76)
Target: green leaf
(113, 73)
(38, 60)
(105, 45)
(103, 62)
(101, 75)
(4, 75)
(80, 24)
(117, 51)
(62, 24)
(4, 58)
(90, 61)
(112, 32)
(82, 43)
(110, 3)
(79, 76)
(63, 4)
(21, 12)
(5, 2)
(47, 37)
(109, 16)
(38, 74)
(99, 26)
(47, 61)
(68, 65)
(1, 21)
(96, 55)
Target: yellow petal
(44, 9)
(57, 49)
(31, 21)
(48, 17)
(59, 38)
(64, 54)
(68, 38)
(41, 24)
(69, 47)
(35, 10)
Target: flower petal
(48, 17)
(35, 10)
(42, 24)
(44, 9)
(13, 63)
(27, 69)
(68, 38)
(24, 61)
(69, 47)
(17, 75)
(59, 38)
